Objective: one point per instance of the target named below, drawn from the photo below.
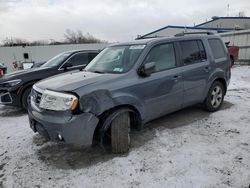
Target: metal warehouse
(235, 30)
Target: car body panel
(151, 96)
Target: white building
(37, 54)
(227, 23)
(242, 40)
(216, 25)
(233, 29)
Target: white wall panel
(39, 53)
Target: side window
(91, 56)
(163, 55)
(202, 50)
(217, 48)
(78, 59)
(192, 51)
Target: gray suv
(128, 85)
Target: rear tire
(120, 139)
(214, 97)
(232, 61)
(25, 98)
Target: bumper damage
(77, 129)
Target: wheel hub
(216, 97)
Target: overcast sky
(112, 20)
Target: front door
(79, 60)
(162, 91)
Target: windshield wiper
(100, 72)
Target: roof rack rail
(150, 37)
(193, 33)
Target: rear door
(196, 70)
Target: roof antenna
(227, 10)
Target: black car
(39, 64)
(15, 87)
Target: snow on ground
(189, 148)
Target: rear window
(192, 51)
(217, 48)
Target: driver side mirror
(67, 65)
(147, 69)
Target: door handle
(207, 69)
(176, 77)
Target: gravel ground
(189, 148)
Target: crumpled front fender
(96, 102)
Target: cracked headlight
(57, 101)
(11, 83)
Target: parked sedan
(15, 87)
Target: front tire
(214, 97)
(120, 139)
(25, 98)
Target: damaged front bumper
(63, 126)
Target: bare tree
(39, 43)
(242, 14)
(76, 37)
(71, 37)
(15, 42)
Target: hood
(74, 80)
(21, 73)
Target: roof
(217, 18)
(135, 42)
(146, 41)
(79, 50)
(188, 27)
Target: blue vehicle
(128, 85)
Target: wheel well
(27, 85)
(135, 118)
(224, 83)
(25, 88)
(133, 112)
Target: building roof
(225, 18)
(188, 27)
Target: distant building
(216, 25)
(227, 22)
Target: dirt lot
(189, 148)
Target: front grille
(36, 97)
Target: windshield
(57, 60)
(117, 59)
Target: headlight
(56, 101)
(11, 83)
